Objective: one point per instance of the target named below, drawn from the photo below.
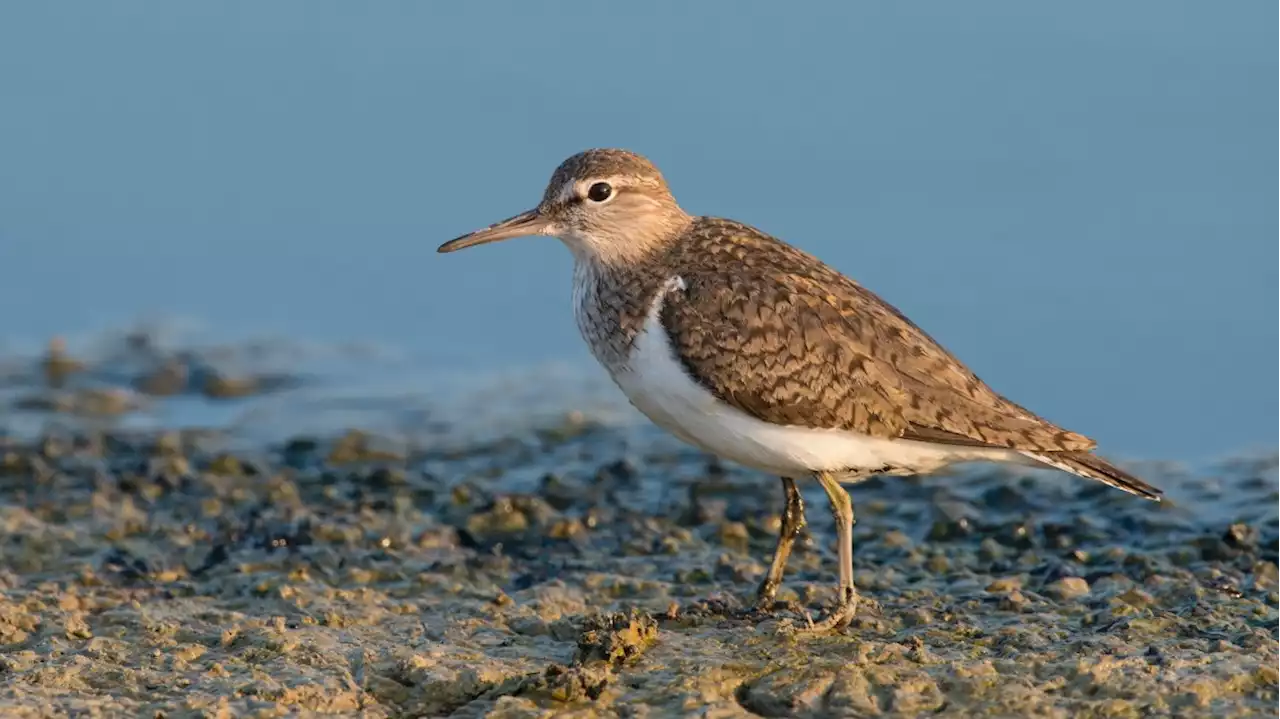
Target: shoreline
(570, 569)
(577, 564)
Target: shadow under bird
(752, 350)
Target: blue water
(1077, 198)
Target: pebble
(1005, 584)
(1068, 588)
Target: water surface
(1076, 199)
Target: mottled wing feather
(777, 334)
(773, 355)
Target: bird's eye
(599, 192)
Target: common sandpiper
(757, 352)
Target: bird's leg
(847, 597)
(792, 523)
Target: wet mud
(579, 568)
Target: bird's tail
(1091, 466)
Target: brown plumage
(741, 344)
(781, 336)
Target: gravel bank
(577, 569)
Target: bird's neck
(611, 302)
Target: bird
(755, 351)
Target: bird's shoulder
(777, 333)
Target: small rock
(503, 518)
(1241, 536)
(566, 529)
(1135, 597)
(559, 493)
(1013, 601)
(1265, 574)
(990, 550)
(226, 465)
(1018, 535)
(1068, 588)
(618, 471)
(168, 379)
(949, 529)
(217, 386)
(357, 446)
(734, 535)
(938, 564)
(917, 618)
(1059, 536)
(896, 539)
(1005, 584)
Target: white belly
(656, 383)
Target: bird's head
(606, 205)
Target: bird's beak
(525, 223)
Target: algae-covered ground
(579, 567)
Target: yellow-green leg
(846, 605)
(792, 523)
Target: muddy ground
(578, 568)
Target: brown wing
(786, 339)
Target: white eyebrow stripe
(569, 190)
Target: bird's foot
(840, 616)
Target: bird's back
(783, 336)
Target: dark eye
(599, 192)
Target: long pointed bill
(525, 223)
